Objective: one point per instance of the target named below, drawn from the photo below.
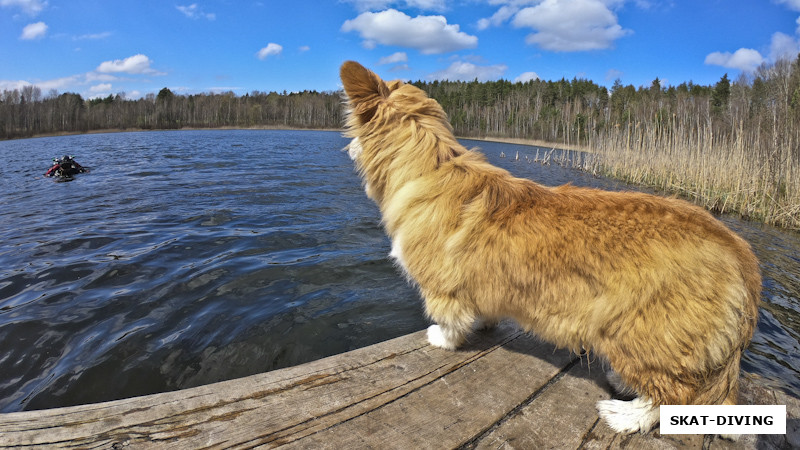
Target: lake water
(189, 257)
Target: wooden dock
(503, 390)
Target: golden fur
(656, 286)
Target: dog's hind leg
(638, 414)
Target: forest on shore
(730, 146)
(27, 113)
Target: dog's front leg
(444, 337)
(452, 323)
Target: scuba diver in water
(64, 167)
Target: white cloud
(30, 7)
(498, 18)
(784, 46)
(10, 85)
(46, 85)
(100, 79)
(270, 50)
(59, 83)
(745, 59)
(304, 48)
(428, 34)
(394, 58)
(91, 77)
(194, 11)
(568, 26)
(526, 76)
(99, 90)
(100, 87)
(34, 31)
(466, 71)
(136, 64)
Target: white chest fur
(397, 254)
(354, 149)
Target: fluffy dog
(661, 290)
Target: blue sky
(102, 47)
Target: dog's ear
(364, 89)
(361, 83)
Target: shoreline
(529, 142)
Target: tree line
(579, 111)
(26, 112)
(576, 111)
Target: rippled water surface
(189, 257)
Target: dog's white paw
(438, 338)
(628, 417)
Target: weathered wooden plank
(560, 416)
(450, 411)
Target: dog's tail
(721, 387)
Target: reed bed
(753, 174)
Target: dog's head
(398, 132)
